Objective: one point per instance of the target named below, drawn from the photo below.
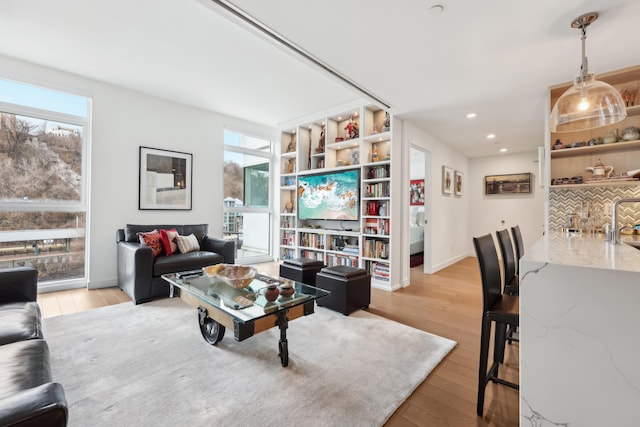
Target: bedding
(416, 239)
(416, 231)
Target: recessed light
(491, 136)
(471, 116)
(503, 150)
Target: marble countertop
(584, 250)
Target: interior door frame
(427, 268)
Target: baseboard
(43, 288)
(450, 262)
(101, 284)
(390, 287)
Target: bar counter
(580, 331)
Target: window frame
(59, 205)
(270, 157)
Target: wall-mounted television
(329, 195)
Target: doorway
(419, 207)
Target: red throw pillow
(153, 240)
(168, 239)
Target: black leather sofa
(139, 272)
(28, 397)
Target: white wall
(488, 211)
(447, 214)
(122, 121)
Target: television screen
(330, 195)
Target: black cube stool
(350, 288)
(301, 270)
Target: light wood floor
(448, 303)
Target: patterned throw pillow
(153, 240)
(188, 243)
(168, 238)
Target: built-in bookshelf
(359, 138)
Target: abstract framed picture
(416, 192)
(165, 180)
(458, 183)
(447, 180)
(515, 183)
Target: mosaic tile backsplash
(566, 201)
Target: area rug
(147, 365)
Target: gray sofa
(28, 396)
(139, 272)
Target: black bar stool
(518, 244)
(496, 307)
(511, 279)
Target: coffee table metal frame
(217, 310)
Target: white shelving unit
(358, 138)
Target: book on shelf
(377, 172)
(287, 254)
(318, 256)
(374, 248)
(333, 259)
(377, 208)
(376, 226)
(379, 271)
(380, 189)
(312, 240)
(352, 249)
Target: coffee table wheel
(212, 331)
(284, 353)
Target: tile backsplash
(565, 201)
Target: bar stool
(518, 244)
(496, 307)
(511, 279)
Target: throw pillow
(188, 243)
(168, 238)
(153, 240)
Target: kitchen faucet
(614, 217)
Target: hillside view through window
(42, 202)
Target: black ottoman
(302, 270)
(350, 288)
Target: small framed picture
(458, 183)
(447, 180)
(416, 192)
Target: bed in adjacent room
(416, 232)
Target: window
(42, 182)
(247, 206)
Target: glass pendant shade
(588, 104)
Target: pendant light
(589, 103)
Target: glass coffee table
(244, 311)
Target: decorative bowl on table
(238, 276)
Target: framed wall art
(515, 183)
(165, 179)
(416, 192)
(447, 180)
(458, 183)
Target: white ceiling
(492, 57)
